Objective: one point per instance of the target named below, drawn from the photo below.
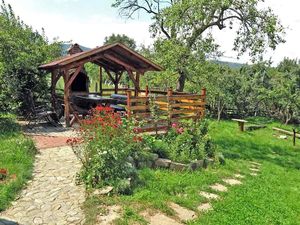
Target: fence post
(128, 103)
(203, 98)
(169, 94)
(147, 90)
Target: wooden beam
(136, 84)
(120, 62)
(77, 71)
(286, 132)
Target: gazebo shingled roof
(115, 57)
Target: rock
(131, 161)
(103, 191)
(163, 163)
(178, 166)
(196, 165)
(153, 156)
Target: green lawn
(270, 198)
(17, 156)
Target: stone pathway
(183, 215)
(52, 197)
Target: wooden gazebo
(115, 59)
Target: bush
(185, 142)
(105, 144)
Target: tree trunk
(181, 81)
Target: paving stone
(238, 175)
(219, 187)
(232, 182)
(38, 220)
(183, 213)
(159, 219)
(253, 174)
(209, 195)
(113, 213)
(255, 163)
(205, 207)
(47, 197)
(254, 169)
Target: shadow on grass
(249, 150)
(8, 126)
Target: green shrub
(188, 141)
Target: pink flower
(174, 125)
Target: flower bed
(111, 151)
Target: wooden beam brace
(130, 74)
(77, 71)
(120, 62)
(110, 76)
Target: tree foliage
(22, 50)
(123, 39)
(185, 27)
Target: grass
(270, 198)
(17, 156)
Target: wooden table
(241, 123)
(95, 100)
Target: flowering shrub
(188, 141)
(104, 144)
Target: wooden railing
(158, 112)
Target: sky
(88, 22)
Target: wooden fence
(158, 112)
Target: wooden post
(66, 97)
(241, 125)
(147, 90)
(137, 78)
(116, 84)
(294, 136)
(54, 79)
(100, 80)
(203, 93)
(128, 104)
(169, 94)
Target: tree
(185, 27)
(123, 39)
(22, 50)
